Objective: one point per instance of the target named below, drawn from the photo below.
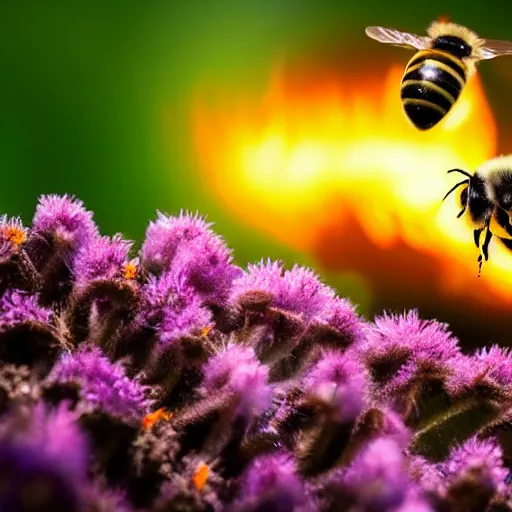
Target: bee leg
(476, 236)
(485, 250)
(485, 245)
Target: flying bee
(437, 73)
(486, 196)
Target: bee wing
(494, 48)
(397, 38)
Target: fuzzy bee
(437, 73)
(486, 198)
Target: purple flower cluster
(187, 246)
(174, 308)
(65, 219)
(102, 259)
(18, 307)
(237, 370)
(172, 379)
(102, 384)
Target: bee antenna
(461, 172)
(455, 187)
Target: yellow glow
(281, 163)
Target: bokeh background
(277, 119)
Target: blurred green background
(86, 89)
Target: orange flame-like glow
(287, 163)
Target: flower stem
(465, 416)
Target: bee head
(463, 193)
(473, 197)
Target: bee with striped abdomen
(486, 198)
(437, 73)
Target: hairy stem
(462, 419)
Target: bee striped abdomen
(432, 83)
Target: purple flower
(24, 467)
(183, 416)
(496, 364)
(481, 459)
(167, 234)
(263, 276)
(207, 266)
(174, 308)
(415, 503)
(42, 449)
(488, 367)
(377, 477)
(238, 370)
(104, 385)
(393, 427)
(427, 474)
(12, 235)
(416, 337)
(187, 246)
(462, 376)
(52, 432)
(18, 307)
(339, 381)
(381, 422)
(298, 290)
(65, 218)
(271, 483)
(103, 258)
(339, 314)
(399, 347)
(27, 336)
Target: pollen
(15, 235)
(130, 271)
(206, 330)
(153, 417)
(201, 476)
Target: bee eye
(464, 196)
